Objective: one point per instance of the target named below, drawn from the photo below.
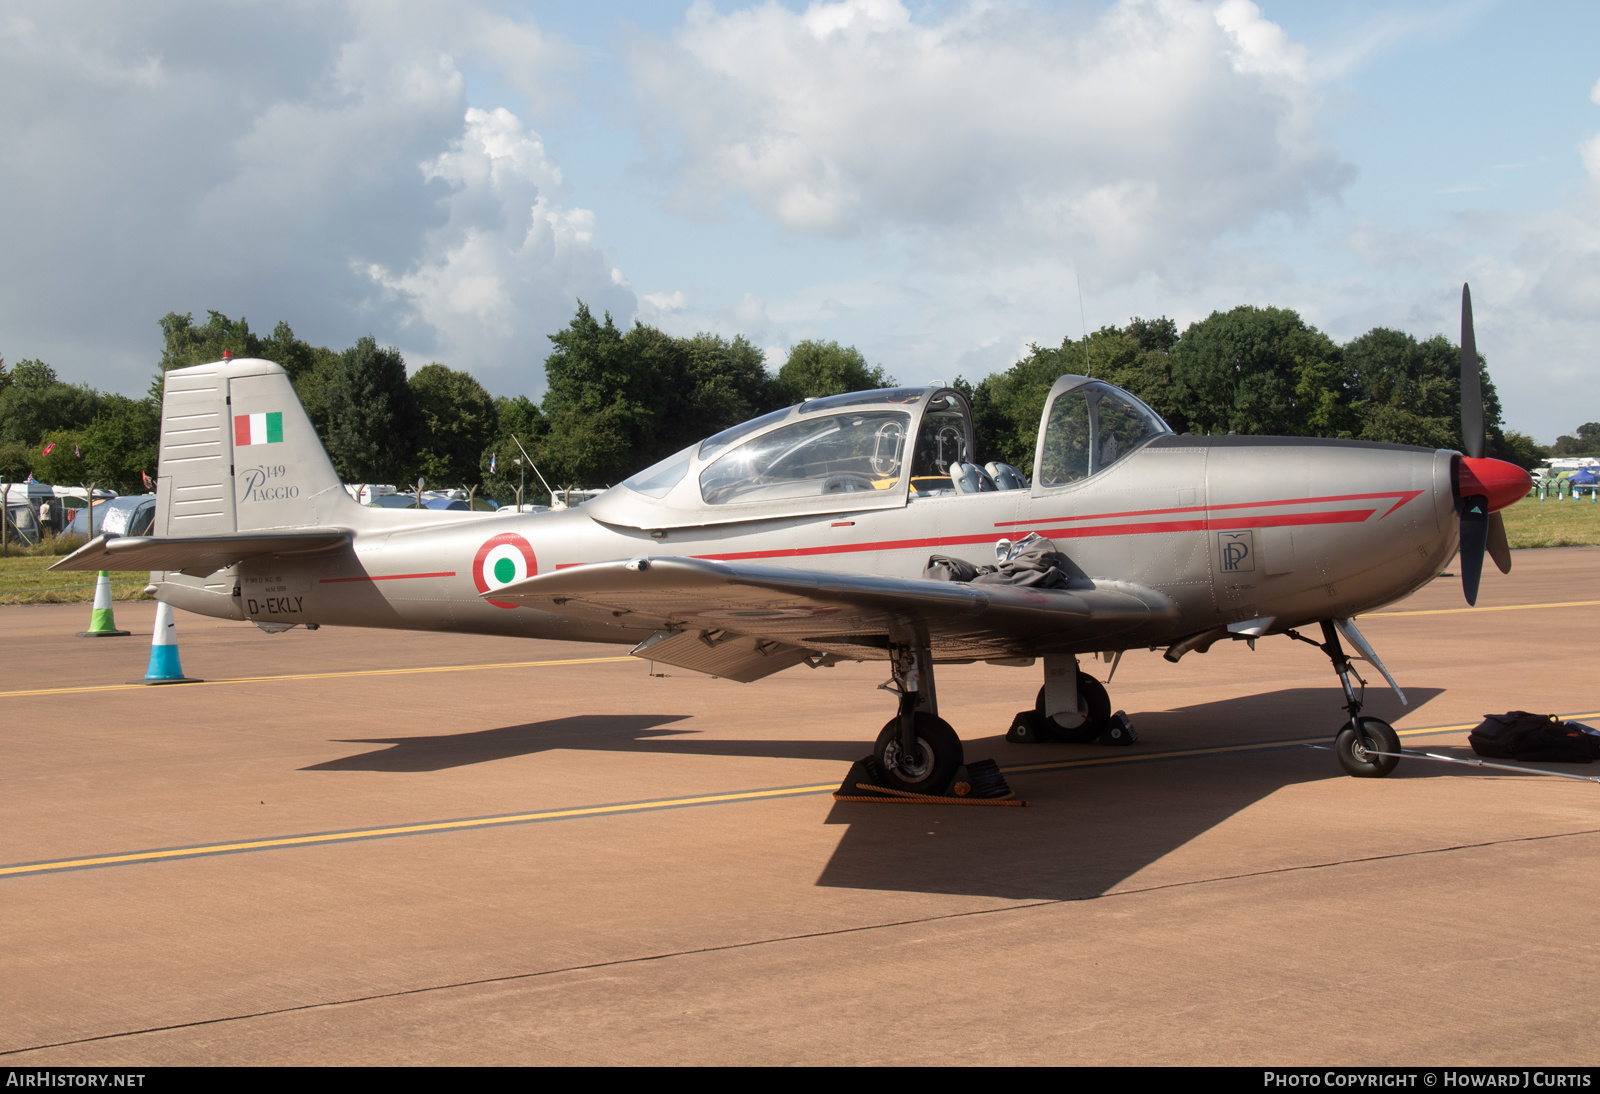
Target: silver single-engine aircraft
(804, 536)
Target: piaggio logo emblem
(502, 561)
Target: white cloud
(1132, 140)
(504, 268)
(264, 161)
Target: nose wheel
(1362, 754)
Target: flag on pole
(148, 485)
(492, 458)
(76, 453)
(49, 448)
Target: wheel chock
(1120, 731)
(1027, 728)
(977, 783)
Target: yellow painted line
(326, 675)
(405, 830)
(1496, 608)
(501, 820)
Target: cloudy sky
(933, 183)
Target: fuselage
(1231, 529)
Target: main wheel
(931, 769)
(1356, 756)
(1093, 703)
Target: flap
(720, 652)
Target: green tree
(1409, 392)
(598, 404)
(15, 461)
(1522, 450)
(186, 344)
(62, 465)
(120, 445)
(817, 368)
(372, 417)
(36, 403)
(459, 422)
(34, 375)
(517, 416)
(727, 383)
(1584, 441)
(1260, 371)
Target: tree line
(618, 400)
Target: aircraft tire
(1375, 733)
(937, 738)
(1097, 716)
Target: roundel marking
(502, 560)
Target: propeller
(1483, 486)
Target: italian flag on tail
(258, 428)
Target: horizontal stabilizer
(196, 555)
(852, 614)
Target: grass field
(1534, 523)
(24, 581)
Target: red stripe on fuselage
(1339, 516)
(1400, 496)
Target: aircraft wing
(768, 614)
(196, 555)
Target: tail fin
(238, 454)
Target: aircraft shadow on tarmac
(447, 750)
(1096, 826)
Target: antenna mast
(1088, 369)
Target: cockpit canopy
(865, 450)
(1089, 425)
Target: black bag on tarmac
(1519, 735)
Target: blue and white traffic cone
(102, 624)
(164, 666)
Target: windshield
(658, 479)
(1091, 427)
(827, 454)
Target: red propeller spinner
(1499, 482)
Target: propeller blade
(1474, 537)
(1471, 390)
(1499, 549)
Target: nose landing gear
(1367, 747)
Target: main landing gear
(1368, 748)
(918, 755)
(917, 751)
(1072, 707)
